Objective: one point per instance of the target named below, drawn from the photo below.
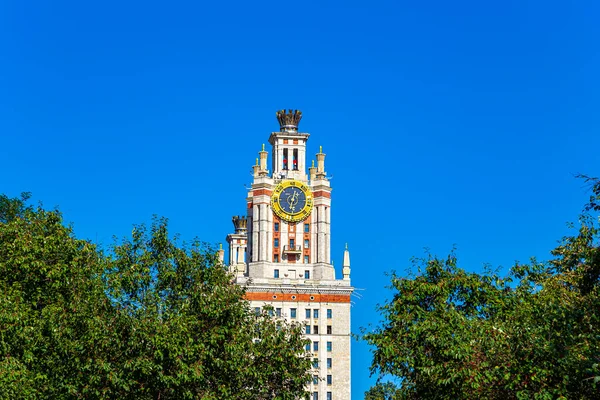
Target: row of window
(316, 363)
(315, 396)
(276, 271)
(292, 243)
(294, 159)
(315, 313)
(316, 380)
(276, 260)
(294, 314)
(315, 329)
(307, 328)
(315, 346)
(306, 227)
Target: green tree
(382, 391)
(535, 334)
(147, 319)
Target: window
(315, 396)
(292, 313)
(329, 363)
(285, 159)
(329, 346)
(329, 329)
(276, 243)
(315, 379)
(307, 329)
(278, 312)
(256, 310)
(276, 273)
(292, 244)
(306, 244)
(307, 347)
(329, 379)
(276, 227)
(316, 329)
(276, 258)
(306, 228)
(329, 396)
(315, 313)
(305, 259)
(329, 313)
(307, 313)
(295, 160)
(307, 274)
(315, 346)
(315, 363)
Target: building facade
(281, 251)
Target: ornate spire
(346, 264)
(288, 121)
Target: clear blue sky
(444, 123)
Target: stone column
(255, 230)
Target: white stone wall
(339, 337)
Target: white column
(269, 243)
(263, 233)
(231, 253)
(313, 236)
(283, 237)
(302, 159)
(240, 253)
(328, 235)
(255, 229)
(321, 232)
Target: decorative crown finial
(240, 223)
(288, 121)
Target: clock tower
(281, 252)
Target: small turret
(346, 264)
(320, 164)
(312, 171)
(238, 245)
(263, 162)
(221, 253)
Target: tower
(281, 252)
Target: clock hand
(292, 201)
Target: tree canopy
(534, 334)
(147, 318)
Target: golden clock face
(292, 201)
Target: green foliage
(382, 391)
(148, 319)
(451, 334)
